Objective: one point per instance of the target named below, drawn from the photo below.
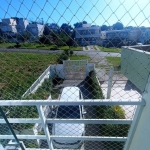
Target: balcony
(28, 124)
(46, 122)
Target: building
(140, 34)
(87, 35)
(8, 27)
(21, 25)
(12, 27)
(145, 36)
(36, 30)
(113, 37)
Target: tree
(129, 27)
(104, 27)
(79, 24)
(62, 39)
(24, 37)
(54, 27)
(1, 35)
(69, 32)
(50, 33)
(66, 28)
(118, 26)
(46, 29)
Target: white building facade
(13, 27)
(87, 35)
(36, 30)
(8, 27)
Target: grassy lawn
(76, 48)
(39, 46)
(104, 49)
(6, 45)
(115, 61)
(19, 71)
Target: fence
(38, 82)
(45, 122)
(106, 34)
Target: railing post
(11, 129)
(45, 126)
(110, 82)
(139, 133)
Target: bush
(71, 52)
(43, 91)
(63, 56)
(96, 89)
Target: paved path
(84, 49)
(97, 48)
(123, 89)
(92, 54)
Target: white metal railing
(38, 82)
(42, 119)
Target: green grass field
(115, 61)
(19, 70)
(104, 49)
(39, 46)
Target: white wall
(57, 70)
(141, 137)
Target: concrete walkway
(84, 49)
(97, 48)
(123, 89)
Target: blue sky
(99, 12)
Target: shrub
(63, 56)
(71, 52)
(96, 89)
(43, 91)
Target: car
(69, 112)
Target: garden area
(19, 70)
(115, 50)
(108, 112)
(115, 62)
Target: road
(92, 54)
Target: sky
(95, 12)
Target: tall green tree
(79, 24)
(118, 26)
(104, 27)
(66, 28)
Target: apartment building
(21, 25)
(113, 37)
(36, 30)
(8, 27)
(14, 26)
(87, 35)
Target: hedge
(108, 112)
